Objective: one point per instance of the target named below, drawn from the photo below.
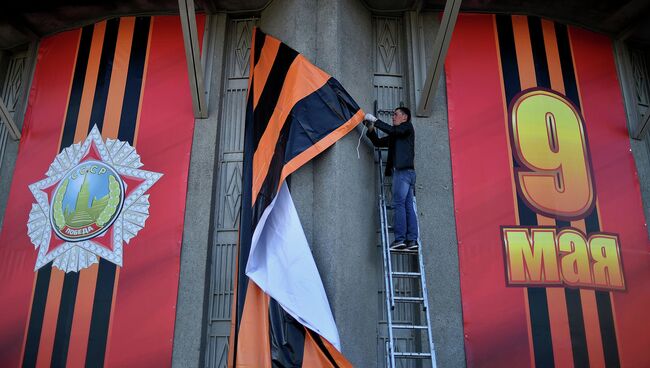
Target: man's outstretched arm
(398, 131)
(369, 121)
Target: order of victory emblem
(92, 201)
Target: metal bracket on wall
(440, 46)
(9, 121)
(192, 53)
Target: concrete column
(641, 153)
(334, 193)
(298, 31)
(189, 331)
(345, 208)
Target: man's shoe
(411, 245)
(397, 245)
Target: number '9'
(549, 141)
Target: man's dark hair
(406, 111)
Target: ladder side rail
(388, 271)
(425, 294)
(386, 253)
(388, 282)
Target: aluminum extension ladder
(390, 277)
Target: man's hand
(370, 118)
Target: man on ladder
(400, 141)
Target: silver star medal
(84, 208)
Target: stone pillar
(334, 194)
(190, 328)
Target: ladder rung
(409, 299)
(412, 355)
(407, 251)
(410, 327)
(406, 274)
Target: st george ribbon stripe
(509, 67)
(260, 117)
(260, 39)
(301, 111)
(243, 245)
(603, 302)
(272, 90)
(577, 328)
(574, 303)
(293, 141)
(104, 75)
(301, 81)
(102, 303)
(36, 316)
(76, 91)
(537, 299)
(607, 329)
(572, 296)
(283, 326)
(292, 330)
(538, 302)
(43, 275)
(64, 321)
(566, 61)
(270, 94)
(103, 300)
(539, 52)
(71, 281)
(557, 301)
(100, 319)
(134, 77)
(319, 342)
(285, 332)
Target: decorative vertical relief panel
(231, 145)
(388, 84)
(388, 56)
(641, 81)
(388, 46)
(641, 86)
(11, 93)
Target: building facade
(380, 52)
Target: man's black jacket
(400, 142)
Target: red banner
(554, 253)
(90, 246)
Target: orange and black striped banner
(539, 127)
(100, 76)
(70, 313)
(294, 112)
